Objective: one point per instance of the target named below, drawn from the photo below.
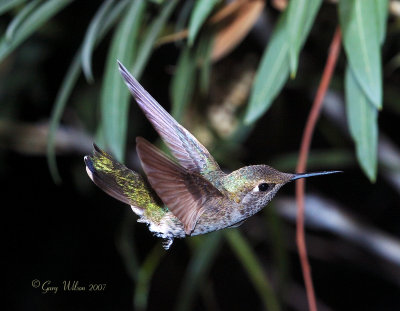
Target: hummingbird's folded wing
(185, 193)
(189, 152)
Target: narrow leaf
(126, 246)
(183, 82)
(61, 100)
(66, 89)
(298, 11)
(362, 118)
(253, 268)
(145, 275)
(7, 5)
(19, 18)
(276, 237)
(31, 23)
(183, 15)
(382, 7)
(197, 269)
(90, 38)
(361, 38)
(272, 73)
(201, 11)
(274, 68)
(204, 57)
(150, 37)
(115, 95)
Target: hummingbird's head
(256, 185)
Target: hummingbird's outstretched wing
(118, 181)
(189, 152)
(185, 193)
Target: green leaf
(274, 68)
(31, 23)
(362, 118)
(145, 275)
(272, 73)
(18, 19)
(382, 7)
(361, 38)
(91, 36)
(298, 14)
(183, 15)
(197, 269)
(126, 246)
(201, 11)
(254, 269)
(204, 60)
(276, 236)
(66, 87)
(150, 37)
(115, 95)
(7, 5)
(61, 100)
(183, 82)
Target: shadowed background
(71, 231)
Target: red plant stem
(301, 164)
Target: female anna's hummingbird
(196, 196)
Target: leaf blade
(154, 30)
(298, 11)
(201, 11)
(145, 275)
(362, 118)
(65, 90)
(269, 82)
(114, 94)
(90, 38)
(199, 265)
(19, 18)
(31, 23)
(253, 268)
(272, 73)
(183, 82)
(61, 100)
(361, 40)
(382, 8)
(9, 5)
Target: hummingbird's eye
(264, 187)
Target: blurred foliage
(198, 31)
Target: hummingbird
(190, 194)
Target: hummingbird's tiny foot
(167, 243)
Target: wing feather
(185, 193)
(189, 152)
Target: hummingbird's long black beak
(305, 175)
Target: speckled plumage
(191, 196)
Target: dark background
(70, 232)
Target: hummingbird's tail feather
(99, 167)
(129, 187)
(118, 181)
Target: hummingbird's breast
(219, 214)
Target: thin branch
(301, 165)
